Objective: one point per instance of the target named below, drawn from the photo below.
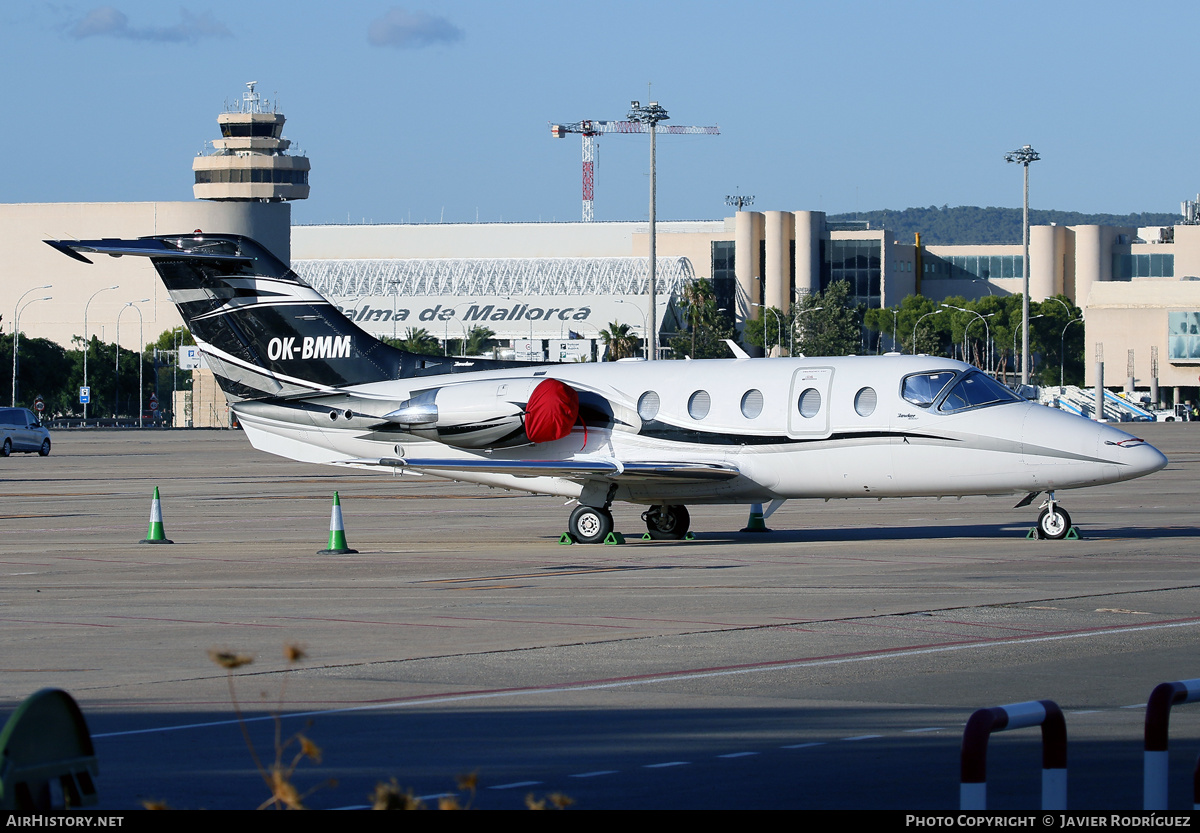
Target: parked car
(21, 430)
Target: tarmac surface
(830, 664)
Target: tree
(479, 339)
(172, 339)
(44, 368)
(619, 342)
(707, 327)
(820, 324)
(833, 330)
(757, 332)
(1057, 340)
(416, 340)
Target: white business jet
(308, 384)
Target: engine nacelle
(489, 414)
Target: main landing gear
(667, 523)
(1054, 522)
(592, 524)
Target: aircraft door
(809, 403)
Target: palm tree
(700, 300)
(619, 342)
(477, 340)
(418, 340)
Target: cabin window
(865, 401)
(699, 404)
(809, 403)
(975, 390)
(648, 405)
(922, 389)
(752, 403)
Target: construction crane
(589, 129)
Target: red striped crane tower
(589, 129)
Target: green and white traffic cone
(156, 534)
(337, 531)
(756, 522)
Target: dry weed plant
(278, 775)
(552, 801)
(389, 796)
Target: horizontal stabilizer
(141, 247)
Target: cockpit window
(923, 388)
(974, 390)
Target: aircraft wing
(570, 469)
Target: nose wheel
(1054, 522)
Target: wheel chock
(1072, 534)
(691, 536)
(613, 538)
(565, 539)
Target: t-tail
(264, 331)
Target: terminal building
(551, 288)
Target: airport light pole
(740, 201)
(1070, 312)
(918, 324)
(1062, 353)
(395, 291)
(987, 331)
(778, 326)
(651, 114)
(1032, 318)
(1023, 156)
(645, 332)
(17, 310)
(16, 315)
(461, 323)
(86, 346)
(117, 361)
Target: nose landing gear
(1054, 522)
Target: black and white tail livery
(306, 383)
(263, 330)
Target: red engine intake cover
(552, 410)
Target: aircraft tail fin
(263, 330)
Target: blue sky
(421, 111)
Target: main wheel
(6, 449)
(45, 449)
(590, 524)
(667, 522)
(1054, 523)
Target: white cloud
(108, 21)
(403, 29)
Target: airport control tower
(250, 161)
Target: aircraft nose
(1134, 456)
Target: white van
(21, 430)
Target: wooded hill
(972, 225)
